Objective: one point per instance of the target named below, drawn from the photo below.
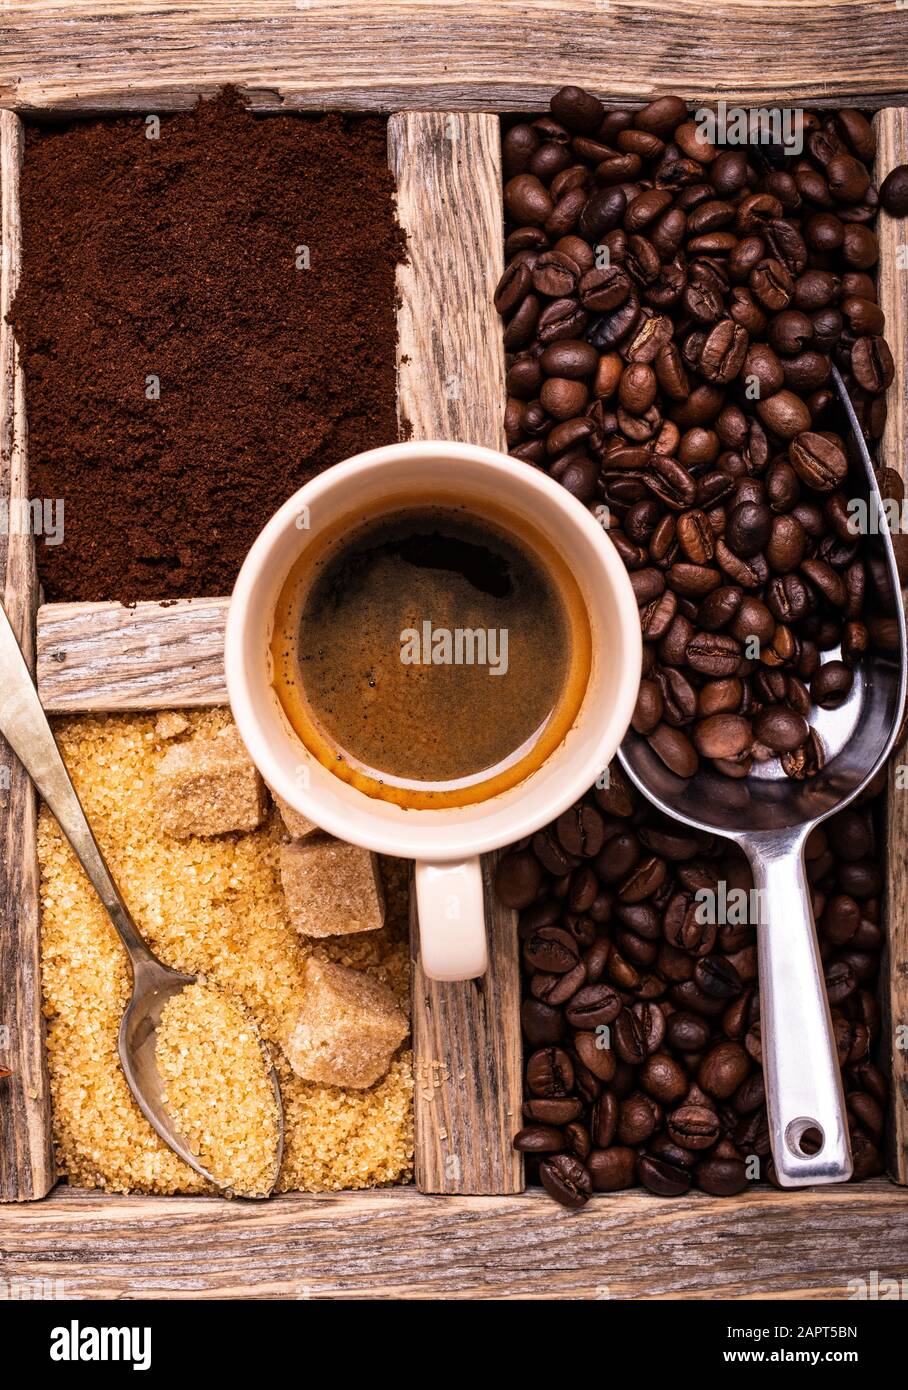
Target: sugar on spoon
(24, 725)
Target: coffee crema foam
(431, 654)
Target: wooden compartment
(465, 1228)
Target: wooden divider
(892, 148)
(489, 55)
(105, 656)
(26, 1151)
(395, 1243)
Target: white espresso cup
(445, 843)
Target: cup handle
(452, 929)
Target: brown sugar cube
(297, 825)
(331, 888)
(347, 1030)
(208, 786)
(170, 724)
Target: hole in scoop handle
(800, 1067)
(451, 911)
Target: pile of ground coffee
(206, 319)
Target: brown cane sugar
(206, 319)
(217, 1087)
(211, 905)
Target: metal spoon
(770, 817)
(24, 725)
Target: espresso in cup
(431, 655)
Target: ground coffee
(206, 319)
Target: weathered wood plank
(26, 1151)
(397, 1243)
(892, 148)
(104, 656)
(467, 55)
(466, 1037)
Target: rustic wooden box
(465, 1228)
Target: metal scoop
(24, 725)
(770, 817)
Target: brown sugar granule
(212, 906)
(170, 265)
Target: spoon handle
(24, 725)
(803, 1081)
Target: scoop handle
(25, 727)
(800, 1066)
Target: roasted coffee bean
(780, 728)
(553, 858)
(552, 1112)
(687, 1032)
(713, 654)
(723, 352)
(541, 1023)
(638, 1117)
(552, 950)
(595, 1055)
(592, 1006)
(717, 976)
(664, 1178)
(570, 358)
(786, 545)
(603, 1120)
(675, 750)
(832, 684)
(872, 364)
(527, 200)
(581, 831)
(722, 736)
(577, 109)
(694, 1126)
(748, 528)
(539, 1139)
(566, 1179)
(604, 209)
(663, 1078)
(894, 191)
(561, 318)
(649, 707)
(722, 1177)
(556, 988)
(518, 879)
(785, 414)
(613, 1168)
(563, 398)
(577, 1141)
(723, 1069)
(550, 1073)
(618, 856)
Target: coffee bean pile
(672, 310)
(641, 1017)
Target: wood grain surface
(892, 148)
(466, 1037)
(104, 656)
(26, 1155)
(397, 1243)
(426, 54)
